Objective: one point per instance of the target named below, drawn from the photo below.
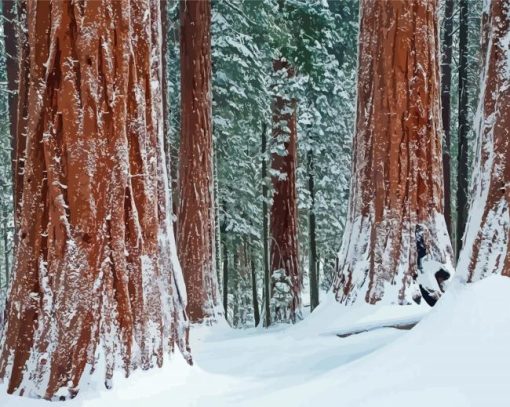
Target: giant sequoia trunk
(96, 273)
(286, 281)
(486, 240)
(396, 246)
(196, 224)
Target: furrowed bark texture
(196, 225)
(396, 246)
(487, 238)
(283, 223)
(96, 273)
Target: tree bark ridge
(96, 273)
(396, 239)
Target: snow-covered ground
(458, 355)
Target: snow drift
(457, 356)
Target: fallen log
(402, 326)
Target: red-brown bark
(487, 238)
(195, 229)
(283, 223)
(396, 242)
(96, 273)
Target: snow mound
(459, 355)
(332, 317)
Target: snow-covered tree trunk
(96, 274)
(486, 240)
(286, 281)
(196, 224)
(463, 128)
(396, 247)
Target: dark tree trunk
(313, 272)
(265, 234)
(18, 126)
(446, 80)
(462, 158)
(486, 248)
(164, 52)
(217, 226)
(237, 268)
(395, 246)
(284, 243)
(254, 293)
(166, 110)
(7, 265)
(95, 270)
(196, 224)
(225, 279)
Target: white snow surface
(458, 355)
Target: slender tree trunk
(244, 281)
(486, 248)
(284, 244)
(95, 273)
(225, 279)
(10, 19)
(19, 122)
(462, 158)
(318, 268)
(265, 233)
(314, 281)
(217, 226)
(395, 245)
(254, 292)
(166, 110)
(6, 248)
(236, 267)
(196, 225)
(173, 30)
(446, 80)
(164, 47)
